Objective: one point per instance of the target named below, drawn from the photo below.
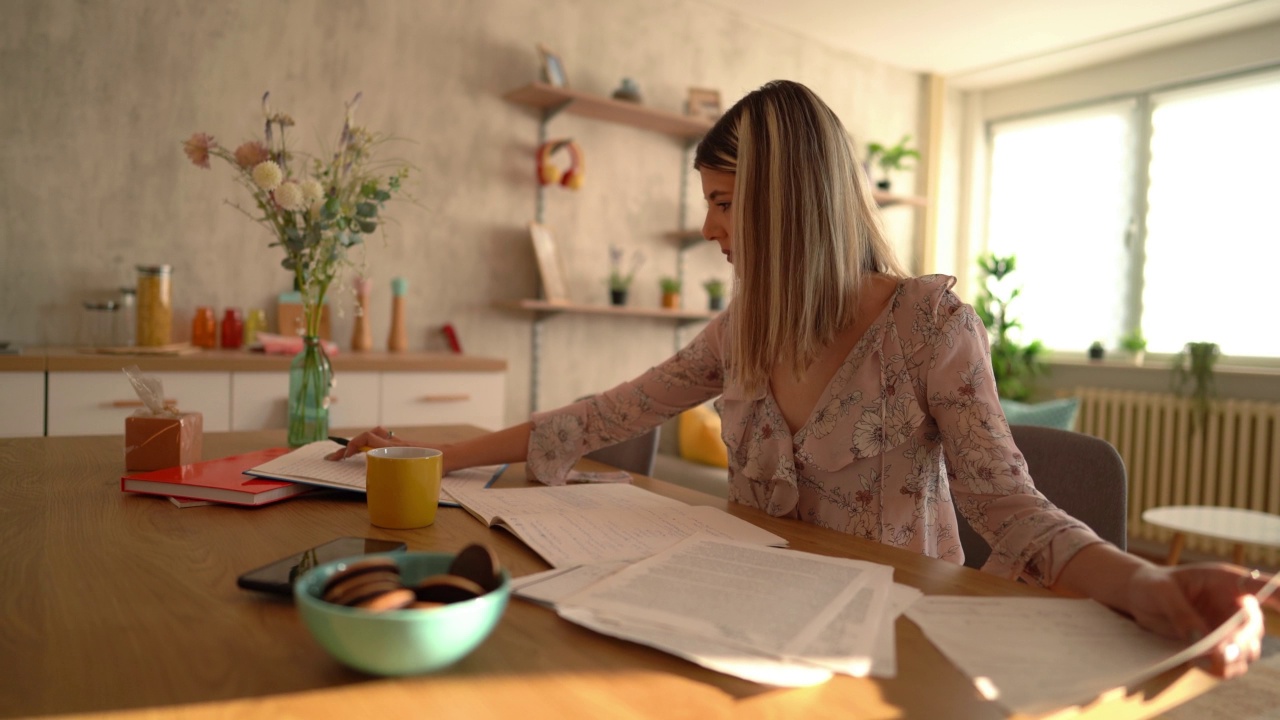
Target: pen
(345, 442)
(497, 474)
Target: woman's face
(717, 188)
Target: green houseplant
(715, 293)
(890, 158)
(670, 291)
(1136, 344)
(1193, 371)
(1015, 365)
(620, 278)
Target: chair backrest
(1081, 474)
(635, 455)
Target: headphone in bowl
(550, 174)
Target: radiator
(1230, 460)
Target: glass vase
(310, 380)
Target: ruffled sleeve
(692, 376)
(1029, 536)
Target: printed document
(778, 617)
(572, 525)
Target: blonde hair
(806, 230)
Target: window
(1159, 212)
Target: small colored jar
(253, 322)
(232, 329)
(155, 305)
(204, 328)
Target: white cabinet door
(96, 403)
(23, 394)
(356, 401)
(443, 398)
(260, 400)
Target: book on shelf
(572, 525)
(222, 480)
(307, 465)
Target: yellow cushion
(700, 437)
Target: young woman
(852, 396)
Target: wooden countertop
(65, 359)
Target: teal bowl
(399, 642)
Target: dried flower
(250, 154)
(289, 196)
(312, 190)
(316, 208)
(197, 148)
(267, 175)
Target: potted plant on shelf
(1097, 351)
(620, 280)
(715, 293)
(1015, 365)
(1136, 344)
(670, 292)
(1193, 366)
(890, 158)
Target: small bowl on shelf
(408, 641)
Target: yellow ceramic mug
(403, 486)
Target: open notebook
(307, 465)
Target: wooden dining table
(114, 602)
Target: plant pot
(715, 303)
(671, 300)
(1139, 356)
(1096, 351)
(883, 184)
(618, 297)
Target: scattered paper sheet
(772, 616)
(1035, 655)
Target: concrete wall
(97, 98)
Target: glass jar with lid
(155, 305)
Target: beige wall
(98, 96)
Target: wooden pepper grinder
(361, 335)
(396, 341)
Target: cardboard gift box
(154, 442)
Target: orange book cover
(221, 480)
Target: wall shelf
(551, 99)
(547, 309)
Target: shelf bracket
(553, 110)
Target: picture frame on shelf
(551, 271)
(703, 103)
(552, 67)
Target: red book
(222, 480)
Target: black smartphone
(278, 576)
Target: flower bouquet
(316, 208)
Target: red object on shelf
(204, 328)
(452, 336)
(232, 329)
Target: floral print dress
(909, 421)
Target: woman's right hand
(376, 438)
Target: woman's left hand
(1187, 602)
